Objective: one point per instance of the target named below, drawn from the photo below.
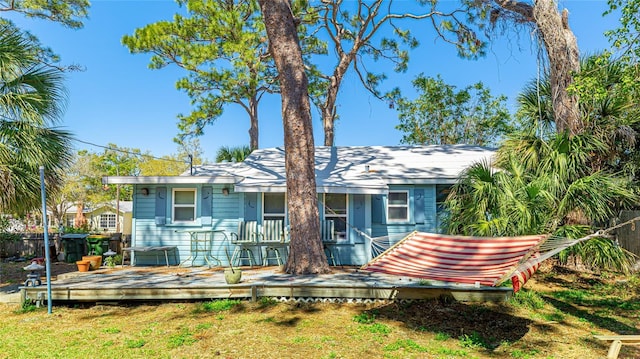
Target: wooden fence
(32, 245)
(629, 235)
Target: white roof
(349, 169)
(362, 169)
(125, 207)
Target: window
(184, 205)
(273, 206)
(71, 221)
(398, 206)
(335, 208)
(107, 220)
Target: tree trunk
(306, 253)
(329, 107)
(253, 118)
(564, 61)
(561, 46)
(329, 113)
(80, 219)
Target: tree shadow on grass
(458, 320)
(607, 323)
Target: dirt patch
(12, 273)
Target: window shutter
(358, 217)
(161, 206)
(250, 206)
(207, 203)
(418, 206)
(378, 213)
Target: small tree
(355, 31)
(440, 115)
(560, 45)
(222, 46)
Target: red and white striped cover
(460, 259)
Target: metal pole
(117, 202)
(47, 258)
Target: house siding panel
(422, 218)
(367, 213)
(225, 212)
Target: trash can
(73, 245)
(98, 244)
(53, 256)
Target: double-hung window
(398, 206)
(184, 205)
(335, 208)
(273, 206)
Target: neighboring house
(102, 217)
(375, 190)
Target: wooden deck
(201, 283)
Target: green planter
(73, 246)
(232, 276)
(98, 244)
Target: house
(102, 217)
(364, 191)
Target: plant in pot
(231, 275)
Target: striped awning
(461, 259)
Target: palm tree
(548, 182)
(32, 99)
(232, 154)
(607, 105)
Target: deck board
(201, 283)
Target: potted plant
(94, 261)
(231, 275)
(83, 265)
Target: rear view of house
(363, 193)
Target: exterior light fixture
(225, 191)
(144, 191)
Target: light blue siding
(428, 216)
(367, 213)
(225, 213)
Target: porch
(347, 284)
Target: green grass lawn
(555, 317)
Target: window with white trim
(398, 206)
(183, 206)
(107, 220)
(273, 206)
(335, 208)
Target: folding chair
(245, 240)
(274, 239)
(328, 235)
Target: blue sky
(119, 100)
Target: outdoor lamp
(144, 191)
(225, 191)
(33, 277)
